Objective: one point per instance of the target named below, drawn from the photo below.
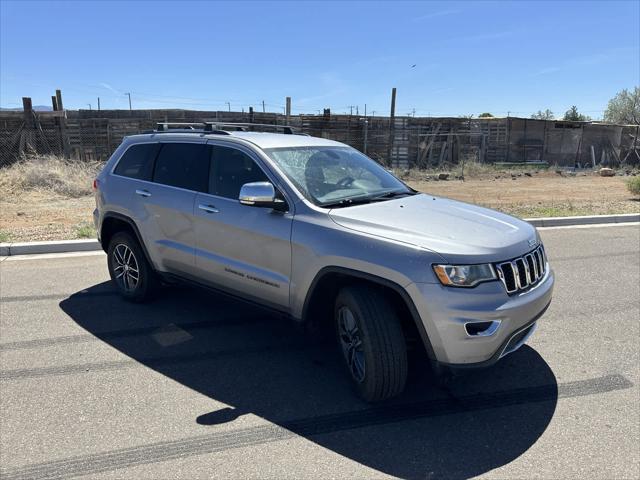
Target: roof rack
(248, 127)
(182, 127)
(221, 128)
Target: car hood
(459, 232)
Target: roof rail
(221, 128)
(247, 127)
(164, 126)
(182, 127)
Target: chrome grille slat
(533, 268)
(522, 272)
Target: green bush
(633, 184)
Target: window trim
(282, 185)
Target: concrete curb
(60, 246)
(585, 220)
(65, 246)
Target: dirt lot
(40, 214)
(541, 195)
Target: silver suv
(315, 230)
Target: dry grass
(67, 178)
(46, 198)
(633, 185)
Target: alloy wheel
(351, 343)
(125, 269)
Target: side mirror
(261, 194)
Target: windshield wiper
(347, 202)
(393, 194)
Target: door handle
(143, 193)
(208, 208)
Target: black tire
(124, 252)
(382, 342)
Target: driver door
(241, 249)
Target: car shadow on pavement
(254, 362)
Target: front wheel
(372, 342)
(128, 267)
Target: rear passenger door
(163, 207)
(243, 249)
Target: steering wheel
(346, 181)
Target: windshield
(330, 176)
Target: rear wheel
(128, 267)
(371, 341)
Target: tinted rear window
(137, 161)
(182, 165)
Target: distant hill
(37, 108)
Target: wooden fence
(404, 142)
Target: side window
(230, 169)
(137, 161)
(182, 165)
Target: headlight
(464, 275)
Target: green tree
(540, 115)
(624, 108)
(485, 115)
(573, 115)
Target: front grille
(523, 272)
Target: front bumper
(444, 311)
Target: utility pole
(129, 95)
(357, 112)
(365, 110)
(263, 110)
(98, 103)
(229, 104)
(288, 109)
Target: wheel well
(319, 308)
(111, 226)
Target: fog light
(482, 329)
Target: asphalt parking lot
(199, 386)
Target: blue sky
(469, 57)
